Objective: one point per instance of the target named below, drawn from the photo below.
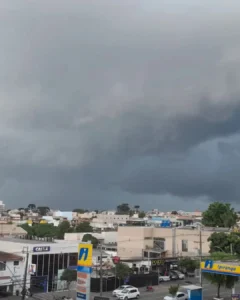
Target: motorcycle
(149, 289)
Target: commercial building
(108, 220)
(135, 243)
(107, 237)
(47, 260)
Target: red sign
(116, 259)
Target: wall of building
(14, 272)
(132, 240)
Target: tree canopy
(225, 242)
(43, 210)
(79, 210)
(173, 289)
(123, 209)
(141, 214)
(69, 275)
(89, 237)
(31, 206)
(84, 227)
(189, 264)
(122, 270)
(219, 215)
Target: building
(11, 272)
(11, 230)
(2, 207)
(108, 220)
(135, 243)
(47, 260)
(107, 237)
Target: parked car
(128, 293)
(121, 288)
(179, 296)
(179, 274)
(164, 278)
(173, 276)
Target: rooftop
(5, 256)
(24, 241)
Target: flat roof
(24, 241)
(191, 287)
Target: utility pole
(24, 291)
(101, 277)
(200, 252)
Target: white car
(179, 274)
(129, 293)
(120, 288)
(164, 278)
(179, 296)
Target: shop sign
(157, 262)
(41, 249)
(209, 266)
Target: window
(2, 266)
(16, 263)
(184, 246)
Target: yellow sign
(85, 255)
(226, 269)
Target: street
(209, 291)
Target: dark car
(173, 276)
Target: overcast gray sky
(104, 102)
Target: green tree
(69, 276)
(220, 281)
(225, 242)
(79, 210)
(84, 227)
(122, 270)
(31, 206)
(123, 209)
(63, 228)
(136, 207)
(190, 265)
(219, 215)
(43, 210)
(28, 229)
(141, 214)
(89, 237)
(173, 289)
(44, 230)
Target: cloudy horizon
(105, 102)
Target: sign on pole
(84, 270)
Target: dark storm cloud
(101, 103)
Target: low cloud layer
(131, 102)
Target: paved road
(209, 291)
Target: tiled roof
(5, 256)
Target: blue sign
(84, 269)
(81, 296)
(41, 249)
(208, 264)
(83, 252)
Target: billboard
(210, 266)
(84, 270)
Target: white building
(107, 237)
(108, 220)
(11, 272)
(2, 207)
(47, 259)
